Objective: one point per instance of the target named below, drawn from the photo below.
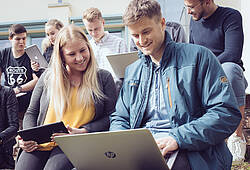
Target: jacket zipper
(142, 102)
(169, 93)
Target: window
(4, 44)
(38, 42)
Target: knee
(233, 71)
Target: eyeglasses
(191, 8)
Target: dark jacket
(36, 113)
(8, 117)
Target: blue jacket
(200, 102)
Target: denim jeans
(237, 79)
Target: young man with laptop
(177, 91)
(102, 42)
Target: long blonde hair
(57, 77)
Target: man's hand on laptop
(167, 144)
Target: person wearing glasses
(220, 29)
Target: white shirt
(109, 44)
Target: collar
(104, 38)
(168, 42)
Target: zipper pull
(169, 93)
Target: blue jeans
(238, 81)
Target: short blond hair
(138, 9)
(91, 14)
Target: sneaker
(237, 147)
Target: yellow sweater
(74, 116)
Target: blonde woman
(72, 90)
(52, 27)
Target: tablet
(42, 134)
(35, 55)
(119, 62)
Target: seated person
(102, 42)
(16, 66)
(73, 90)
(8, 126)
(220, 29)
(52, 27)
(178, 91)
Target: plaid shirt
(109, 44)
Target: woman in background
(73, 90)
(52, 27)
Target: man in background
(16, 66)
(102, 42)
(220, 30)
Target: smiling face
(51, 32)
(148, 35)
(76, 55)
(195, 8)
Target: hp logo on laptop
(110, 154)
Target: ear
(207, 2)
(163, 23)
(103, 21)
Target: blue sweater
(222, 33)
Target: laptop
(124, 150)
(119, 62)
(35, 55)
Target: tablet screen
(42, 134)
